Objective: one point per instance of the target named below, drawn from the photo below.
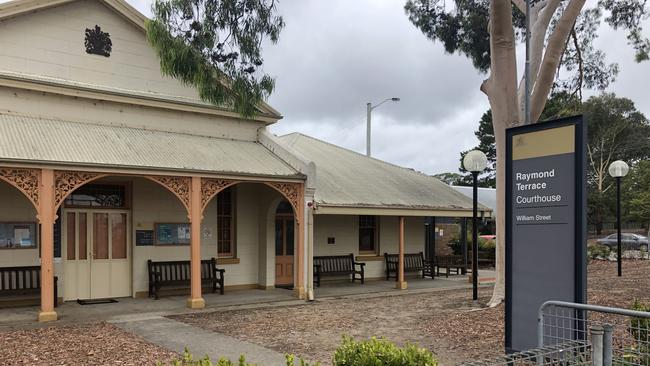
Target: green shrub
(372, 352)
(375, 352)
(484, 245)
(598, 250)
(188, 360)
(640, 327)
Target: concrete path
(175, 336)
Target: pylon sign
(545, 223)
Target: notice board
(545, 223)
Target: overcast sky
(334, 56)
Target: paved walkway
(175, 336)
(125, 308)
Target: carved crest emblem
(98, 42)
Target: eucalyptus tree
(216, 47)
(637, 193)
(562, 57)
(617, 131)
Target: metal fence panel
(569, 353)
(626, 333)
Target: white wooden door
(97, 250)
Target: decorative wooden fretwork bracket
(179, 186)
(210, 187)
(66, 182)
(291, 191)
(25, 180)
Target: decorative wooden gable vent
(98, 42)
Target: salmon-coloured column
(299, 282)
(46, 219)
(196, 300)
(401, 284)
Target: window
(226, 227)
(98, 196)
(18, 235)
(368, 234)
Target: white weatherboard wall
(345, 230)
(19, 101)
(49, 45)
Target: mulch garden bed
(443, 322)
(91, 344)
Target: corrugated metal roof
(347, 178)
(486, 196)
(48, 140)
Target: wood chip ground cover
(443, 322)
(91, 344)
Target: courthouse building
(106, 164)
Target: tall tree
(215, 46)
(561, 38)
(486, 144)
(637, 192)
(450, 178)
(617, 131)
(559, 104)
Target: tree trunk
(502, 92)
(501, 89)
(499, 293)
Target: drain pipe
(310, 250)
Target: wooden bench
(413, 262)
(178, 274)
(19, 281)
(450, 263)
(337, 265)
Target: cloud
(335, 56)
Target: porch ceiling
(41, 140)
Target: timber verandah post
(196, 300)
(401, 283)
(46, 217)
(300, 252)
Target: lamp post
(618, 170)
(475, 162)
(369, 108)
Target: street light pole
(527, 67)
(368, 123)
(475, 162)
(369, 108)
(618, 170)
(619, 251)
(475, 237)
